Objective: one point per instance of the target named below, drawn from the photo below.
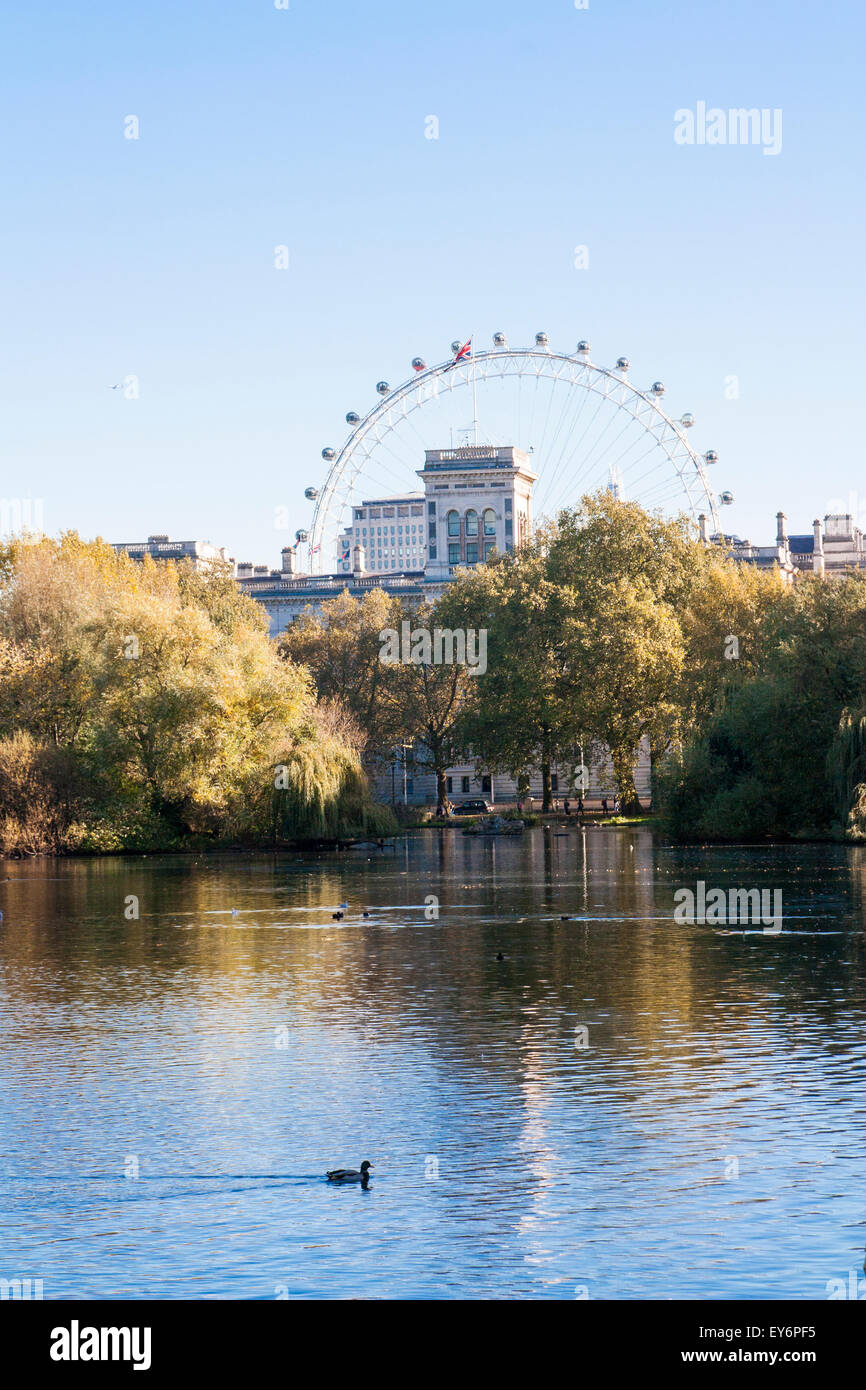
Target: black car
(477, 807)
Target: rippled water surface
(703, 1137)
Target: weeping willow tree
(846, 771)
(148, 704)
(317, 790)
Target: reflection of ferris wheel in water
(587, 427)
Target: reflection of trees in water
(649, 989)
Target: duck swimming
(351, 1174)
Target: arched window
(489, 522)
(453, 523)
(471, 523)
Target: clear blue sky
(305, 127)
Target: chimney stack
(817, 548)
(702, 529)
(781, 537)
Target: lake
(623, 1107)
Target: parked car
(476, 807)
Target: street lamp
(407, 748)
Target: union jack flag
(465, 351)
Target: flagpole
(474, 390)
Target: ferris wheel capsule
(726, 498)
(583, 345)
(329, 455)
(353, 418)
(711, 456)
(622, 364)
(311, 493)
(456, 345)
(658, 388)
(382, 387)
(418, 364)
(687, 420)
(302, 537)
(500, 340)
(542, 340)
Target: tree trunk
(546, 789)
(441, 789)
(623, 771)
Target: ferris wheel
(586, 427)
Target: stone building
(201, 553)
(832, 549)
(476, 498)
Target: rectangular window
(449, 785)
(387, 511)
(472, 552)
(431, 508)
(402, 511)
(417, 511)
(410, 786)
(509, 527)
(489, 547)
(485, 786)
(464, 784)
(454, 554)
(432, 552)
(554, 782)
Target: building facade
(201, 553)
(392, 533)
(831, 549)
(409, 782)
(476, 499)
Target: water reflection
(234, 1040)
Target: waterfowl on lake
(361, 1175)
(499, 955)
(337, 916)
